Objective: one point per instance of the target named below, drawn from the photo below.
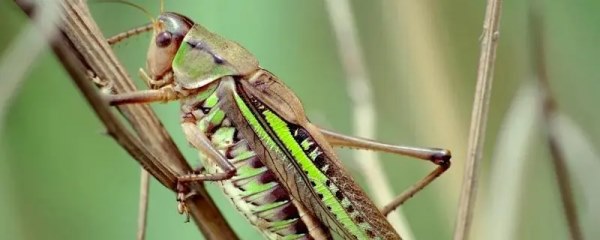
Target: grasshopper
(279, 169)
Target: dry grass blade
(143, 204)
(584, 165)
(26, 47)
(85, 53)
(487, 58)
(359, 90)
(28, 44)
(428, 87)
(550, 112)
(501, 212)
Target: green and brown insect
(279, 169)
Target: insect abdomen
(254, 190)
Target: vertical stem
(25, 50)
(359, 91)
(143, 205)
(561, 173)
(430, 90)
(549, 111)
(481, 102)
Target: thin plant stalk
(143, 204)
(429, 88)
(27, 46)
(583, 164)
(550, 113)
(359, 91)
(501, 213)
(485, 73)
(29, 43)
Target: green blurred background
(61, 178)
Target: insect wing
(271, 113)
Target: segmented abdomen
(254, 190)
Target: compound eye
(164, 39)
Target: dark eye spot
(164, 39)
(350, 209)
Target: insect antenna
(136, 31)
(133, 32)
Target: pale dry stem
(28, 44)
(359, 91)
(487, 59)
(143, 204)
(551, 113)
(429, 89)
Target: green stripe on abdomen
(253, 190)
(322, 187)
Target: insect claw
(105, 133)
(199, 170)
(183, 194)
(181, 208)
(187, 217)
(106, 87)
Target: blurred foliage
(60, 178)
